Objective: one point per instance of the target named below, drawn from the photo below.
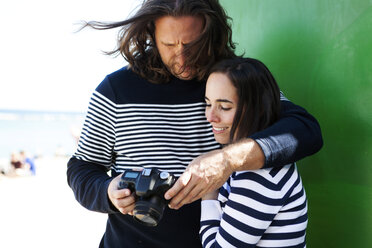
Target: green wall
(320, 52)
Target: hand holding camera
(122, 200)
(148, 186)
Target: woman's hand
(211, 196)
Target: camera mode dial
(164, 175)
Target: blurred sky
(45, 64)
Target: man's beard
(182, 73)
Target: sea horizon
(39, 132)
(4, 111)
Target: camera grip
(122, 185)
(125, 185)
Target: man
(151, 115)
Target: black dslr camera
(149, 186)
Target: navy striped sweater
(259, 208)
(134, 123)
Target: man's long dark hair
(136, 39)
(258, 93)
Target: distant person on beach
(28, 162)
(16, 160)
(150, 114)
(21, 165)
(254, 208)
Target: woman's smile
(221, 102)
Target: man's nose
(180, 56)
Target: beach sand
(41, 211)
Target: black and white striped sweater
(132, 122)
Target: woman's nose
(211, 115)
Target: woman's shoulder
(273, 178)
(268, 171)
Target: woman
(256, 208)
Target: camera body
(149, 186)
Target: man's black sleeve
(294, 136)
(89, 182)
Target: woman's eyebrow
(224, 100)
(219, 100)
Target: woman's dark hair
(258, 93)
(136, 38)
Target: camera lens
(150, 211)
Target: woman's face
(222, 100)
